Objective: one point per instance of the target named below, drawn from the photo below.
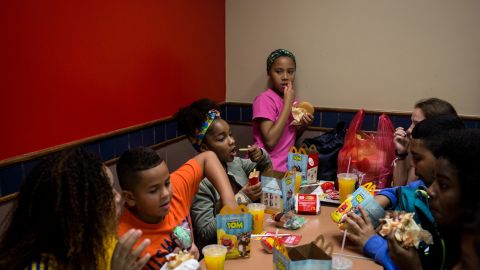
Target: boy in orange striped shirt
(159, 203)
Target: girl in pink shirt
(272, 117)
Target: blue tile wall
(28, 166)
(135, 139)
(93, 147)
(148, 136)
(317, 119)
(329, 119)
(401, 121)
(11, 179)
(233, 113)
(121, 144)
(12, 176)
(347, 117)
(159, 133)
(370, 122)
(471, 124)
(171, 130)
(107, 148)
(246, 113)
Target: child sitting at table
(65, 217)
(272, 117)
(159, 202)
(456, 168)
(206, 130)
(403, 172)
(427, 137)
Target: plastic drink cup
(346, 184)
(341, 263)
(257, 210)
(214, 256)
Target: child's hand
(288, 94)
(306, 121)
(255, 153)
(194, 251)
(403, 258)
(360, 228)
(253, 192)
(123, 258)
(401, 140)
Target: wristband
(401, 156)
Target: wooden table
(315, 225)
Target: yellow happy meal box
(234, 229)
(314, 255)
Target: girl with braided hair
(272, 115)
(206, 130)
(65, 218)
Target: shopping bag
(305, 161)
(328, 146)
(370, 154)
(234, 229)
(314, 255)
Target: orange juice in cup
(257, 210)
(346, 184)
(214, 256)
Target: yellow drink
(257, 210)
(346, 185)
(298, 182)
(214, 256)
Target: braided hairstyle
(191, 118)
(66, 209)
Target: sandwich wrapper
(314, 255)
(299, 109)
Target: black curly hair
(432, 130)
(65, 208)
(135, 160)
(190, 118)
(462, 149)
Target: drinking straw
(353, 256)
(270, 234)
(243, 149)
(343, 242)
(348, 166)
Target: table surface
(315, 225)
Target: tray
(317, 189)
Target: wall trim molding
(53, 149)
(46, 151)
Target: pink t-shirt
(269, 105)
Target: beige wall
(375, 54)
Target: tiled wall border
(164, 131)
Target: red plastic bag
(371, 153)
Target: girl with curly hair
(65, 218)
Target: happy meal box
(304, 160)
(234, 229)
(279, 190)
(314, 255)
(363, 196)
